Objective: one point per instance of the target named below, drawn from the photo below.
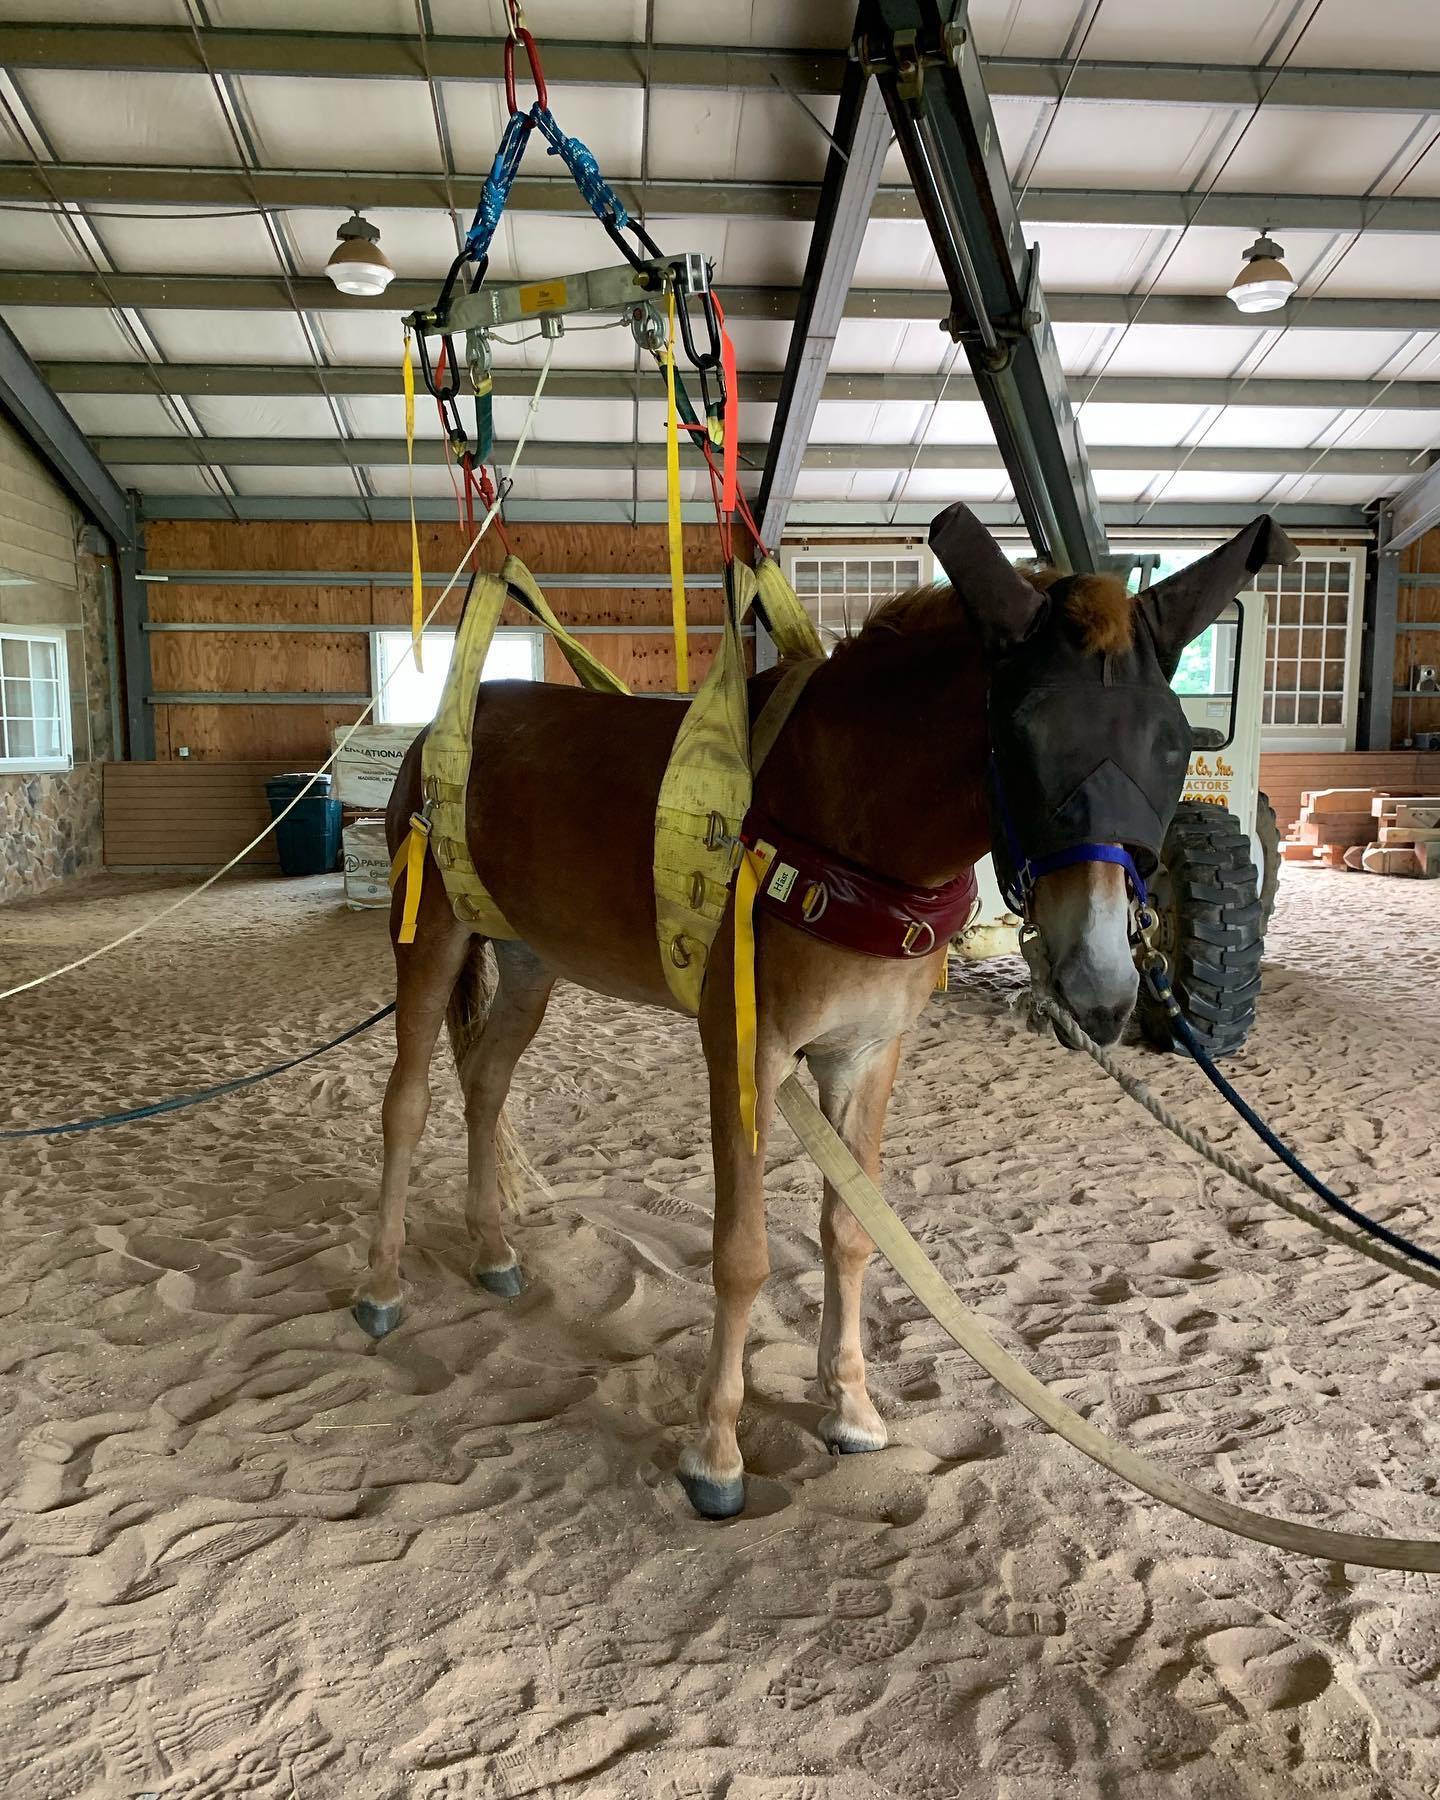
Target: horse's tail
(465, 1016)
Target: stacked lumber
(1408, 834)
(1333, 822)
(1366, 829)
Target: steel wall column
(134, 614)
(1377, 650)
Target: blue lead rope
(180, 1101)
(1159, 983)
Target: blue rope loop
(496, 192)
(596, 191)
(178, 1102)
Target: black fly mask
(1088, 749)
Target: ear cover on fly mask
(1002, 603)
(1175, 611)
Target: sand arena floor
(245, 1551)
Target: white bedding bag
(365, 770)
(367, 864)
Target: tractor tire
(1205, 897)
(1267, 830)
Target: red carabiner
(537, 74)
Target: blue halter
(1018, 885)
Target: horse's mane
(1099, 606)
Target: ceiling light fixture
(1264, 284)
(357, 264)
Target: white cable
(210, 880)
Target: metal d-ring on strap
(827, 1150)
(179, 1101)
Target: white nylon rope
(175, 906)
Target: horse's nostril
(1105, 1023)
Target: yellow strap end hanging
(748, 877)
(676, 534)
(417, 608)
(409, 864)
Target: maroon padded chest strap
(843, 904)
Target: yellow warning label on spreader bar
(544, 296)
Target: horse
(1033, 717)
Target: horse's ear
(1179, 608)
(1001, 601)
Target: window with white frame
(34, 700)
(840, 585)
(406, 695)
(1312, 647)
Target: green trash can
(308, 837)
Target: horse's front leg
(712, 1471)
(854, 1090)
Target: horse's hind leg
(486, 1064)
(425, 973)
(854, 1092)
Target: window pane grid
(407, 696)
(33, 699)
(1306, 641)
(844, 589)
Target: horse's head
(1089, 743)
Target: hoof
(505, 1282)
(713, 1499)
(374, 1320)
(850, 1440)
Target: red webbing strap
(731, 462)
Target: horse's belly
(561, 825)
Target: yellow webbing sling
(703, 798)
(449, 747)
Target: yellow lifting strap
(409, 863)
(754, 866)
(706, 789)
(675, 531)
(417, 606)
(449, 745)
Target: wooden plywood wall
(339, 662)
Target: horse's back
(561, 824)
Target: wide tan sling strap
(706, 789)
(827, 1150)
(449, 747)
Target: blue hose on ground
(1185, 1036)
(180, 1101)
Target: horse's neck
(884, 761)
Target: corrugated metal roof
(363, 132)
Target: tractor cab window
(1207, 667)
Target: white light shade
(1264, 284)
(357, 264)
